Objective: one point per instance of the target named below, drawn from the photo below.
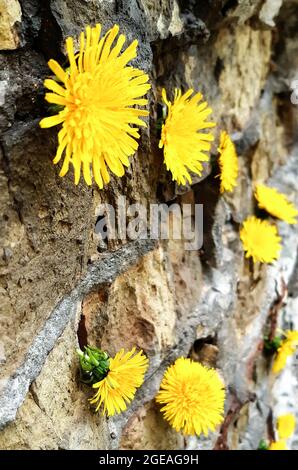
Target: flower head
(97, 95)
(193, 397)
(278, 445)
(286, 349)
(286, 425)
(125, 375)
(228, 163)
(260, 240)
(276, 203)
(182, 138)
(280, 360)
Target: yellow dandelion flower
(286, 426)
(193, 396)
(181, 138)
(228, 163)
(260, 240)
(292, 337)
(286, 349)
(125, 375)
(97, 95)
(281, 357)
(276, 203)
(278, 445)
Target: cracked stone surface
(60, 286)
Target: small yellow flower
(260, 240)
(182, 138)
(278, 445)
(281, 357)
(286, 426)
(97, 95)
(286, 349)
(193, 397)
(276, 203)
(125, 375)
(228, 163)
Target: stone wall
(61, 287)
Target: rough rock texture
(60, 286)
(10, 17)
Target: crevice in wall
(230, 417)
(49, 38)
(82, 332)
(207, 193)
(285, 112)
(228, 6)
(205, 351)
(270, 426)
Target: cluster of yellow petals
(285, 429)
(276, 203)
(286, 425)
(184, 143)
(286, 349)
(228, 163)
(260, 240)
(98, 94)
(278, 445)
(193, 397)
(118, 388)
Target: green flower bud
(263, 445)
(271, 346)
(94, 364)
